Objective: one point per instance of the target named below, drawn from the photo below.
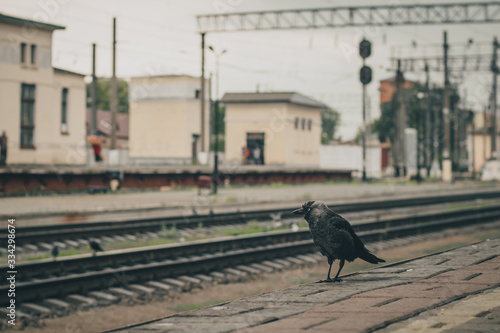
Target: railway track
(59, 233)
(79, 275)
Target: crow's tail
(370, 257)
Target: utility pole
(472, 115)
(216, 147)
(365, 49)
(114, 94)
(202, 93)
(210, 111)
(93, 95)
(399, 143)
(216, 119)
(486, 121)
(463, 122)
(428, 122)
(447, 173)
(494, 69)
(364, 130)
(456, 136)
(420, 142)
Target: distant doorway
(255, 145)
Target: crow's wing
(341, 223)
(340, 244)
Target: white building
(349, 156)
(284, 128)
(165, 119)
(42, 108)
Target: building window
(33, 54)
(296, 123)
(23, 53)
(303, 123)
(27, 115)
(197, 93)
(64, 111)
(309, 124)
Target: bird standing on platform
(334, 237)
(95, 246)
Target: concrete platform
(108, 207)
(453, 291)
(19, 180)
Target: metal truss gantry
(459, 63)
(450, 13)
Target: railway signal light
(365, 75)
(365, 49)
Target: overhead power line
(463, 63)
(471, 12)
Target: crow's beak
(298, 211)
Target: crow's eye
(308, 209)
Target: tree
(103, 93)
(330, 121)
(385, 125)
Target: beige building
(479, 143)
(165, 119)
(280, 128)
(42, 108)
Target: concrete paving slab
(364, 301)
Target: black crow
(55, 251)
(334, 237)
(95, 246)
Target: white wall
(283, 144)
(350, 157)
(164, 114)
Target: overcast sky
(161, 37)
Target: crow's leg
(329, 270)
(341, 264)
(328, 279)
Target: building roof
(166, 76)
(59, 70)
(22, 22)
(271, 97)
(104, 123)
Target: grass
(168, 236)
(477, 203)
(252, 227)
(62, 253)
(118, 245)
(187, 307)
(169, 233)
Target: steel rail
(213, 255)
(160, 253)
(51, 233)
